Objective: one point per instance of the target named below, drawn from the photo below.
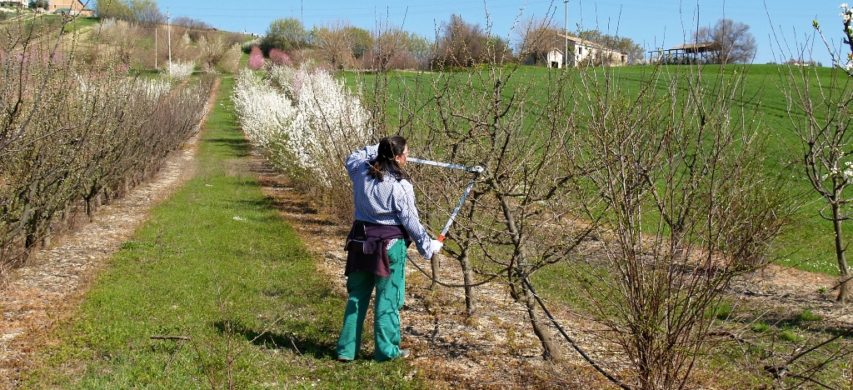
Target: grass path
(216, 266)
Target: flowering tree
(256, 58)
(306, 122)
(181, 70)
(279, 57)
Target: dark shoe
(344, 359)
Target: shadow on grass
(272, 340)
(829, 328)
(240, 147)
(307, 213)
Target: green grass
(789, 335)
(217, 264)
(759, 327)
(808, 242)
(80, 23)
(722, 310)
(808, 316)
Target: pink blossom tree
(256, 58)
(280, 58)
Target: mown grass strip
(214, 264)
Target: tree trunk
(843, 289)
(434, 263)
(468, 277)
(550, 349)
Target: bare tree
(537, 38)
(690, 209)
(518, 220)
(335, 42)
(74, 135)
(736, 44)
(461, 44)
(392, 49)
(821, 117)
(824, 130)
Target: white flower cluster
(845, 173)
(180, 70)
(847, 18)
(152, 89)
(265, 114)
(282, 76)
(304, 120)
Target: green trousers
(390, 292)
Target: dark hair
(389, 149)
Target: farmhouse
(582, 52)
(71, 7)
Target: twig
(809, 379)
(840, 282)
(294, 345)
(178, 338)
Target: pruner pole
(476, 170)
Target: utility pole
(169, 37)
(156, 52)
(566, 33)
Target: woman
(386, 221)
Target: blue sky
(659, 23)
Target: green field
(807, 243)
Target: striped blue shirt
(386, 202)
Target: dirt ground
(495, 349)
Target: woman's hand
(436, 246)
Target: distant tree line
(459, 43)
(142, 12)
(345, 46)
(139, 11)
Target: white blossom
(180, 70)
(151, 88)
(302, 119)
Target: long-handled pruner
(476, 170)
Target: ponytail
(385, 162)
